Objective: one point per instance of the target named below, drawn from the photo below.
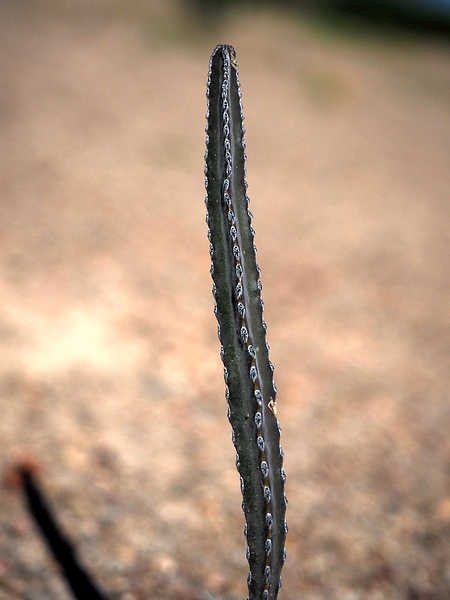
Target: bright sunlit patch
(86, 336)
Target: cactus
(248, 372)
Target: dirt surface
(110, 373)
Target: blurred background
(110, 375)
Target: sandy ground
(110, 374)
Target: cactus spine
(248, 372)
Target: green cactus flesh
(248, 372)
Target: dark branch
(78, 579)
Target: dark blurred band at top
(418, 16)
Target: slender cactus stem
(248, 372)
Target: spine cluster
(248, 372)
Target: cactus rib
(248, 372)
